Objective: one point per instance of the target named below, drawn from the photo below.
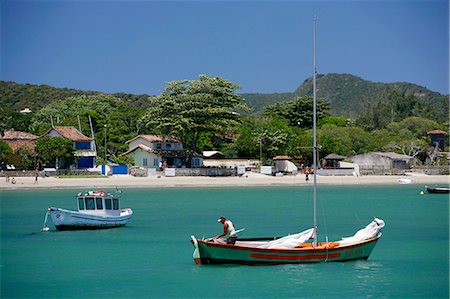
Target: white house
(154, 151)
(383, 160)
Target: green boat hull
(213, 253)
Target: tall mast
(315, 134)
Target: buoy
(421, 193)
(45, 229)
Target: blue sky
(262, 46)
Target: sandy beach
(251, 179)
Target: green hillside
(352, 96)
(20, 96)
(348, 95)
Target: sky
(262, 46)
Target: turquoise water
(152, 256)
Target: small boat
(96, 210)
(292, 249)
(441, 190)
(406, 181)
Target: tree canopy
(299, 112)
(188, 108)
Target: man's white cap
(220, 218)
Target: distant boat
(441, 190)
(292, 248)
(96, 210)
(405, 181)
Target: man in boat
(228, 230)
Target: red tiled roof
(17, 135)
(155, 138)
(69, 133)
(282, 158)
(15, 144)
(437, 132)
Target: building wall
(371, 159)
(139, 155)
(229, 162)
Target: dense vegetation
(354, 116)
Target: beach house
(85, 151)
(17, 139)
(155, 151)
(382, 162)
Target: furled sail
(370, 231)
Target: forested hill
(348, 95)
(351, 96)
(20, 96)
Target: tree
(5, 150)
(299, 112)
(269, 135)
(22, 158)
(186, 109)
(55, 151)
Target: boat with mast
(292, 248)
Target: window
(144, 162)
(195, 162)
(115, 203)
(155, 162)
(80, 204)
(158, 146)
(90, 205)
(98, 202)
(168, 146)
(108, 203)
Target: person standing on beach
(228, 230)
(36, 174)
(307, 174)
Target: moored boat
(96, 210)
(441, 190)
(291, 249)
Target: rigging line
(354, 211)
(324, 216)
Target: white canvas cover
(370, 231)
(290, 241)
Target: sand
(251, 179)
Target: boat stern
(196, 254)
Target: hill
(348, 95)
(20, 96)
(351, 95)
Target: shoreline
(250, 180)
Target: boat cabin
(98, 203)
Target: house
(17, 139)
(154, 151)
(84, 146)
(332, 161)
(284, 164)
(218, 159)
(383, 161)
(438, 139)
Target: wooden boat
(293, 248)
(441, 190)
(96, 210)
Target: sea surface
(152, 256)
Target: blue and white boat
(96, 210)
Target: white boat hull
(72, 220)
